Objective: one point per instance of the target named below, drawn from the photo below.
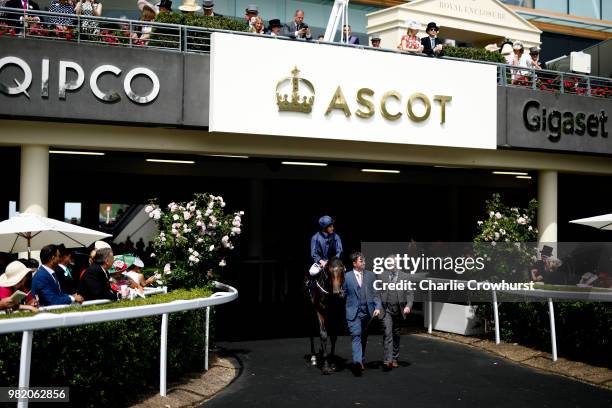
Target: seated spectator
(95, 283)
(62, 24)
(432, 45)
(250, 13)
(258, 26)
(119, 277)
(63, 271)
(347, 35)
(45, 285)
(411, 42)
(17, 277)
(142, 34)
(534, 62)
(375, 40)
(297, 29)
(134, 272)
(88, 8)
(274, 28)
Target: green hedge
(113, 363)
(478, 54)
(584, 330)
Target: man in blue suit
(362, 305)
(45, 284)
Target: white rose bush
(506, 239)
(195, 238)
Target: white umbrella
(603, 222)
(26, 232)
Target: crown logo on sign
(294, 102)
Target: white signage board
(293, 88)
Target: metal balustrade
(173, 37)
(42, 321)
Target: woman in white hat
(15, 278)
(411, 42)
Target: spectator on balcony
(16, 19)
(519, 58)
(62, 24)
(298, 29)
(142, 33)
(89, 8)
(534, 62)
(17, 277)
(258, 26)
(250, 13)
(347, 35)
(274, 28)
(189, 6)
(506, 52)
(375, 40)
(432, 45)
(95, 283)
(411, 42)
(164, 6)
(208, 6)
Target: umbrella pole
(29, 252)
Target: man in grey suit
(396, 304)
(297, 29)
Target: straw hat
(14, 273)
(492, 47)
(506, 49)
(144, 3)
(517, 45)
(190, 6)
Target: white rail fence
(43, 321)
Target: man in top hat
(540, 271)
(250, 13)
(164, 6)
(347, 35)
(274, 28)
(534, 54)
(432, 45)
(189, 6)
(208, 6)
(375, 41)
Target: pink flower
(521, 221)
(498, 215)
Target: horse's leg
(323, 334)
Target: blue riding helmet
(325, 221)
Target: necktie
(358, 276)
(393, 277)
(25, 4)
(433, 43)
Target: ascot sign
(64, 86)
(351, 94)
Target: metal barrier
(42, 321)
(173, 37)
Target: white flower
(174, 231)
(521, 221)
(199, 223)
(236, 222)
(493, 243)
(190, 250)
(173, 207)
(175, 217)
(236, 231)
(530, 228)
(163, 239)
(149, 208)
(222, 263)
(157, 214)
(479, 223)
(491, 214)
(502, 231)
(211, 248)
(200, 240)
(186, 215)
(496, 236)
(498, 215)
(241, 213)
(167, 269)
(152, 255)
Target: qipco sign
(22, 86)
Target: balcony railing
(179, 38)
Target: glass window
(72, 213)
(521, 3)
(560, 6)
(606, 10)
(109, 214)
(585, 8)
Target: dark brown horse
(326, 298)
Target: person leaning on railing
(17, 277)
(258, 26)
(89, 8)
(17, 19)
(142, 34)
(61, 7)
(411, 42)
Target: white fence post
(553, 332)
(206, 338)
(496, 317)
(24, 364)
(163, 355)
(430, 309)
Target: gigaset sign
(64, 86)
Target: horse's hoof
(313, 360)
(327, 370)
(333, 367)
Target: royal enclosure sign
(329, 92)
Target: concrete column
(547, 210)
(34, 181)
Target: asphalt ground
(433, 373)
